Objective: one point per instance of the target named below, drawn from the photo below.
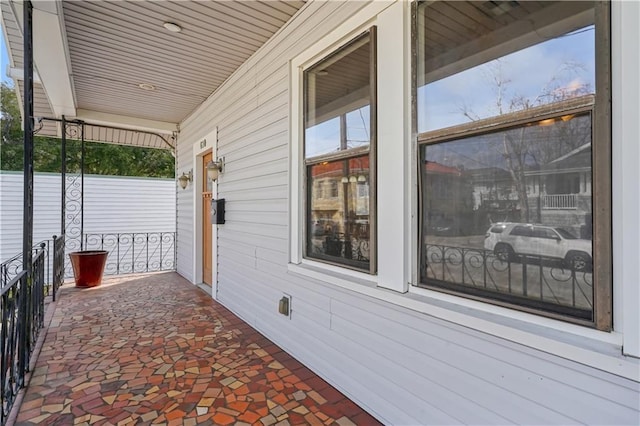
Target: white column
(393, 148)
(626, 173)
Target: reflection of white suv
(509, 239)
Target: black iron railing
(540, 282)
(23, 296)
(22, 308)
(135, 252)
(10, 268)
(58, 263)
(53, 268)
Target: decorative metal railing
(135, 252)
(12, 342)
(58, 263)
(10, 268)
(560, 201)
(538, 281)
(22, 311)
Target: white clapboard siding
(404, 367)
(111, 205)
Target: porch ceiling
(92, 56)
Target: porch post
(63, 176)
(27, 211)
(82, 186)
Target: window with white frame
(339, 144)
(513, 121)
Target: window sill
(576, 343)
(341, 277)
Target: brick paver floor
(157, 350)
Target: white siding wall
(402, 366)
(112, 204)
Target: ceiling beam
(96, 117)
(50, 54)
(18, 74)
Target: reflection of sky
(529, 72)
(324, 138)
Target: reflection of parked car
(507, 240)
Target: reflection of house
(492, 189)
(566, 180)
(562, 189)
(338, 187)
(558, 193)
(448, 193)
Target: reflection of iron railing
(347, 248)
(22, 303)
(538, 281)
(560, 201)
(135, 252)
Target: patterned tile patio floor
(157, 350)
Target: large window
(513, 123)
(339, 145)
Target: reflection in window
(482, 86)
(338, 133)
(506, 153)
(471, 183)
(339, 227)
(337, 98)
(325, 138)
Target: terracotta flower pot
(88, 267)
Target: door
(207, 230)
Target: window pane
(458, 83)
(482, 193)
(337, 100)
(505, 97)
(338, 218)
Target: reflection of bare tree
(521, 148)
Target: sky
(4, 61)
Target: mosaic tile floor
(157, 350)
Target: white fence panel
(112, 205)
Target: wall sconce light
(214, 169)
(185, 179)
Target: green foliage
(100, 158)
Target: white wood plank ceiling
(114, 47)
